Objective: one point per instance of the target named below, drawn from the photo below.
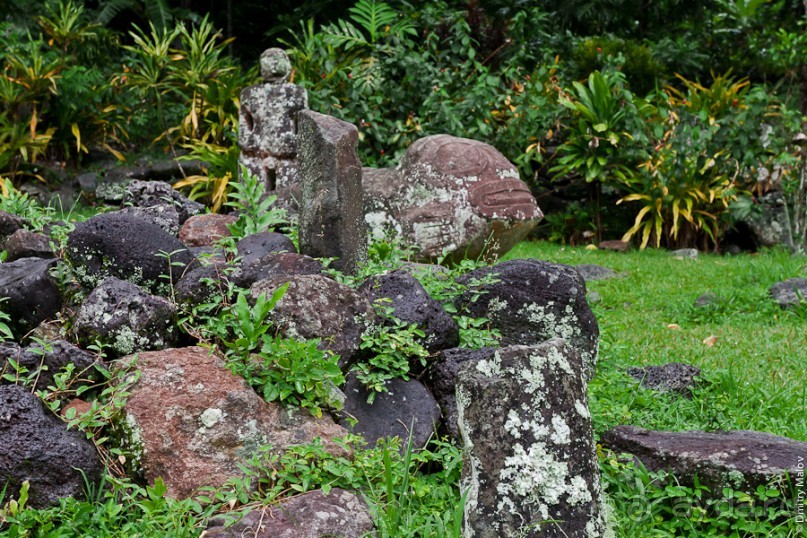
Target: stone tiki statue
(267, 132)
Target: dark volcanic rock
(340, 514)
(315, 306)
(406, 407)
(164, 216)
(38, 447)
(49, 360)
(254, 247)
(441, 379)
(25, 244)
(412, 304)
(675, 376)
(534, 301)
(9, 223)
(123, 316)
(528, 445)
(126, 247)
(740, 459)
(203, 283)
(32, 293)
(276, 264)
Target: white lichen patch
(211, 416)
(533, 476)
(566, 326)
(582, 409)
(560, 431)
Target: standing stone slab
(530, 467)
(332, 211)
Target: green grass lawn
(753, 377)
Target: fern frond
(111, 8)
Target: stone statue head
(275, 65)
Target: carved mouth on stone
(504, 199)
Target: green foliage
(156, 12)
(254, 207)
(391, 347)
(642, 71)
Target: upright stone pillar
(530, 465)
(331, 209)
(266, 129)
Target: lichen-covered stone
(126, 318)
(451, 196)
(533, 301)
(38, 447)
(164, 216)
(126, 247)
(31, 292)
(192, 422)
(742, 460)
(25, 244)
(159, 193)
(331, 209)
(339, 514)
(266, 122)
(275, 66)
(790, 292)
(411, 303)
(315, 306)
(530, 465)
(406, 408)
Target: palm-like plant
(156, 12)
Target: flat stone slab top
(736, 458)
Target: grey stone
(31, 292)
(158, 193)
(618, 246)
(674, 376)
(593, 298)
(451, 196)
(38, 447)
(315, 306)
(126, 247)
(406, 409)
(339, 514)
(530, 463)
(331, 212)
(706, 300)
(9, 223)
(742, 460)
(25, 244)
(191, 421)
(121, 315)
(88, 182)
(411, 304)
(790, 292)
(48, 361)
(275, 66)
(590, 271)
(533, 301)
(685, 253)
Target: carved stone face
(275, 65)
